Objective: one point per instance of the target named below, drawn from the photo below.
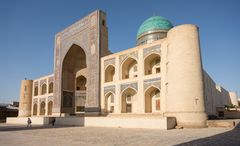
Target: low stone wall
(223, 123)
(70, 121)
(23, 120)
(232, 114)
(148, 123)
(152, 123)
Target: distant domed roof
(154, 23)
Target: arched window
(152, 100)
(127, 100)
(35, 109)
(129, 69)
(109, 73)
(81, 83)
(36, 91)
(44, 89)
(152, 64)
(50, 88)
(109, 102)
(50, 105)
(42, 108)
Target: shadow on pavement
(230, 138)
(24, 127)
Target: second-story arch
(50, 87)
(152, 64)
(109, 73)
(43, 89)
(36, 91)
(129, 68)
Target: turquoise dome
(154, 23)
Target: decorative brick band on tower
(185, 95)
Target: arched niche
(129, 68)
(152, 100)
(109, 73)
(127, 100)
(152, 64)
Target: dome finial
(155, 14)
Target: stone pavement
(11, 135)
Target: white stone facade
(42, 96)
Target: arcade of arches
(131, 72)
(43, 110)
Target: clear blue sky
(27, 30)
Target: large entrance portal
(77, 57)
(74, 71)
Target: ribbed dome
(154, 23)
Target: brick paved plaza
(11, 135)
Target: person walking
(53, 121)
(29, 122)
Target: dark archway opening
(73, 62)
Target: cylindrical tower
(185, 95)
(25, 102)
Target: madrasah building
(162, 76)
